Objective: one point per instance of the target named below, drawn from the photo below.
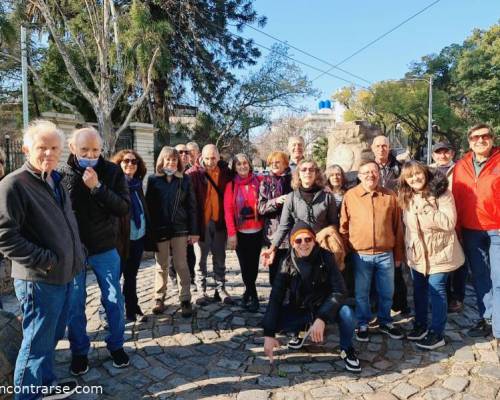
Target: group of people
(336, 250)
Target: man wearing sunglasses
(309, 292)
(476, 187)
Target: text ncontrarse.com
(44, 390)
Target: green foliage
(320, 150)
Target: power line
(380, 37)
(308, 54)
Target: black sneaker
(298, 340)
(391, 331)
(482, 329)
(62, 390)
(431, 341)
(417, 333)
(350, 359)
(79, 365)
(245, 300)
(362, 334)
(186, 309)
(253, 305)
(120, 358)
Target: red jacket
(248, 190)
(478, 198)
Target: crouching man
(316, 292)
(39, 234)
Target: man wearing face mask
(100, 196)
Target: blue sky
(334, 29)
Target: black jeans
(274, 266)
(455, 287)
(129, 269)
(248, 252)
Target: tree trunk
(107, 131)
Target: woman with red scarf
(244, 225)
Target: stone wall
(349, 143)
(10, 338)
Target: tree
(477, 74)
(320, 150)
(88, 40)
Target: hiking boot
(350, 359)
(391, 331)
(482, 329)
(417, 333)
(431, 341)
(203, 299)
(62, 390)
(120, 358)
(245, 300)
(223, 296)
(362, 334)
(159, 307)
(186, 309)
(79, 365)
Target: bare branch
(39, 83)
(77, 79)
(137, 104)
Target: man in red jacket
(476, 187)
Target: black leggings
(129, 269)
(248, 252)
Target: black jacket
(39, 234)
(171, 206)
(323, 293)
(97, 211)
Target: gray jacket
(38, 234)
(322, 213)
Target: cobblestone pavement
(218, 354)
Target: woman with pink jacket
(244, 225)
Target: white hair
(193, 144)
(40, 126)
(208, 147)
(87, 129)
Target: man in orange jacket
(476, 187)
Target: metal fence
(14, 156)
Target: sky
(334, 29)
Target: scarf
(134, 187)
(245, 198)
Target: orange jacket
(478, 198)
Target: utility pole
(429, 125)
(24, 72)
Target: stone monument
(349, 144)
(11, 336)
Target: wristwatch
(96, 187)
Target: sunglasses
(183, 152)
(132, 161)
(475, 138)
(306, 240)
(311, 169)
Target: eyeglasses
(306, 240)
(475, 138)
(2, 162)
(183, 152)
(374, 173)
(132, 161)
(311, 169)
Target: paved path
(218, 354)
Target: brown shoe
(159, 307)
(186, 309)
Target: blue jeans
(106, 267)
(294, 320)
(482, 249)
(45, 313)
(437, 285)
(365, 265)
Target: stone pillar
(67, 123)
(349, 143)
(144, 138)
(11, 336)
